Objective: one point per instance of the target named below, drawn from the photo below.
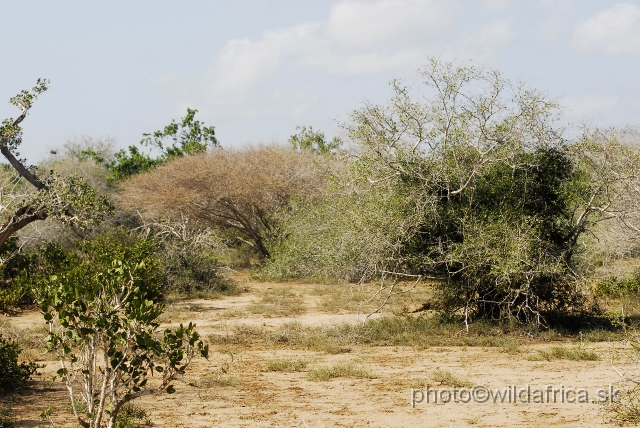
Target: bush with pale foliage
(239, 192)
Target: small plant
(474, 420)
(447, 378)
(46, 415)
(577, 353)
(103, 327)
(13, 375)
(220, 378)
(418, 383)
(132, 416)
(349, 369)
(286, 365)
(511, 347)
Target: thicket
(473, 183)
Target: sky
(256, 69)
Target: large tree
(476, 184)
(28, 196)
(241, 192)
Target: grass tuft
(286, 365)
(447, 378)
(279, 301)
(349, 369)
(561, 353)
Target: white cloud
(359, 38)
(356, 23)
(612, 31)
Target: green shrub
(13, 375)
(614, 286)
(102, 309)
(12, 291)
(192, 270)
(90, 258)
(132, 416)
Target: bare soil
(234, 388)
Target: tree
(67, 199)
(483, 191)
(187, 137)
(104, 328)
(314, 141)
(238, 192)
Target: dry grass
(348, 369)
(446, 378)
(335, 298)
(561, 353)
(218, 379)
(419, 332)
(286, 365)
(279, 301)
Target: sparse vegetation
(286, 365)
(347, 369)
(562, 353)
(446, 378)
(279, 301)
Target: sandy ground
(251, 396)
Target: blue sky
(257, 68)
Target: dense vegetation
(471, 181)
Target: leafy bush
(13, 375)
(617, 286)
(90, 258)
(188, 137)
(102, 307)
(354, 232)
(192, 269)
(314, 141)
(13, 292)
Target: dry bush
(614, 245)
(239, 192)
(72, 158)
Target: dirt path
(236, 388)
